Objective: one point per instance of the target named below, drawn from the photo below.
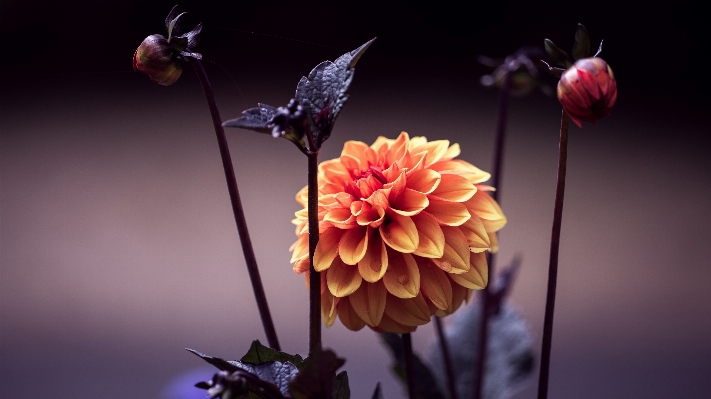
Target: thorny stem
(409, 366)
(314, 276)
(247, 249)
(487, 302)
(553, 264)
(448, 369)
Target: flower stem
(553, 263)
(314, 276)
(448, 369)
(247, 249)
(409, 365)
(486, 297)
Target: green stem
(409, 366)
(237, 210)
(553, 264)
(487, 301)
(314, 276)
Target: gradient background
(118, 247)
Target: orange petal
(477, 237)
(452, 152)
(448, 213)
(430, 235)
(302, 196)
(328, 308)
(348, 316)
(341, 218)
(402, 278)
(459, 294)
(424, 181)
(462, 168)
(482, 205)
(302, 266)
(454, 188)
(494, 242)
(435, 150)
(356, 150)
(397, 148)
(409, 203)
(410, 312)
(477, 276)
(300, 248)
(375, 261)
(400, 233)
(327, 248)
(333, 171)
(435, 284)
(389, 325)
(369, 302)
(353, 245)
(456, 251)
(342, 279)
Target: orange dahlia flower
(403, 232)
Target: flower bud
(587, 90)
(156, 58)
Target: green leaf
(377, 394)
(316, 376)
(258, 354)
(341, 390)
(581, 47)
(557, 55)
(427, 387)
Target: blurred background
(117, 243)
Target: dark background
(117, 244)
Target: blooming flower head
(587, 90)
(404, 227)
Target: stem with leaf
(487, 301)
(553, 263)
(247, 249)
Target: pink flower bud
(587, 90)
(156, 58)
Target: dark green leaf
(557, 55)
(258, 354)
(581, 47)
(341, 390)
(255, 119)
(324, 92)
(377, 394)
(316, 376)
(427, 387)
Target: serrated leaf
(279, 374)
(581, 47)
(316, 376)
(324, 91)
(377, 393)
(557, 55)
(341, 390)
(427, 387)
(259, 354)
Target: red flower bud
(156, 58)
(587, 90)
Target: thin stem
(553, 264)
(486, 296)
(447, 360)
(249, 257)
(314, 276)
(409, 365)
